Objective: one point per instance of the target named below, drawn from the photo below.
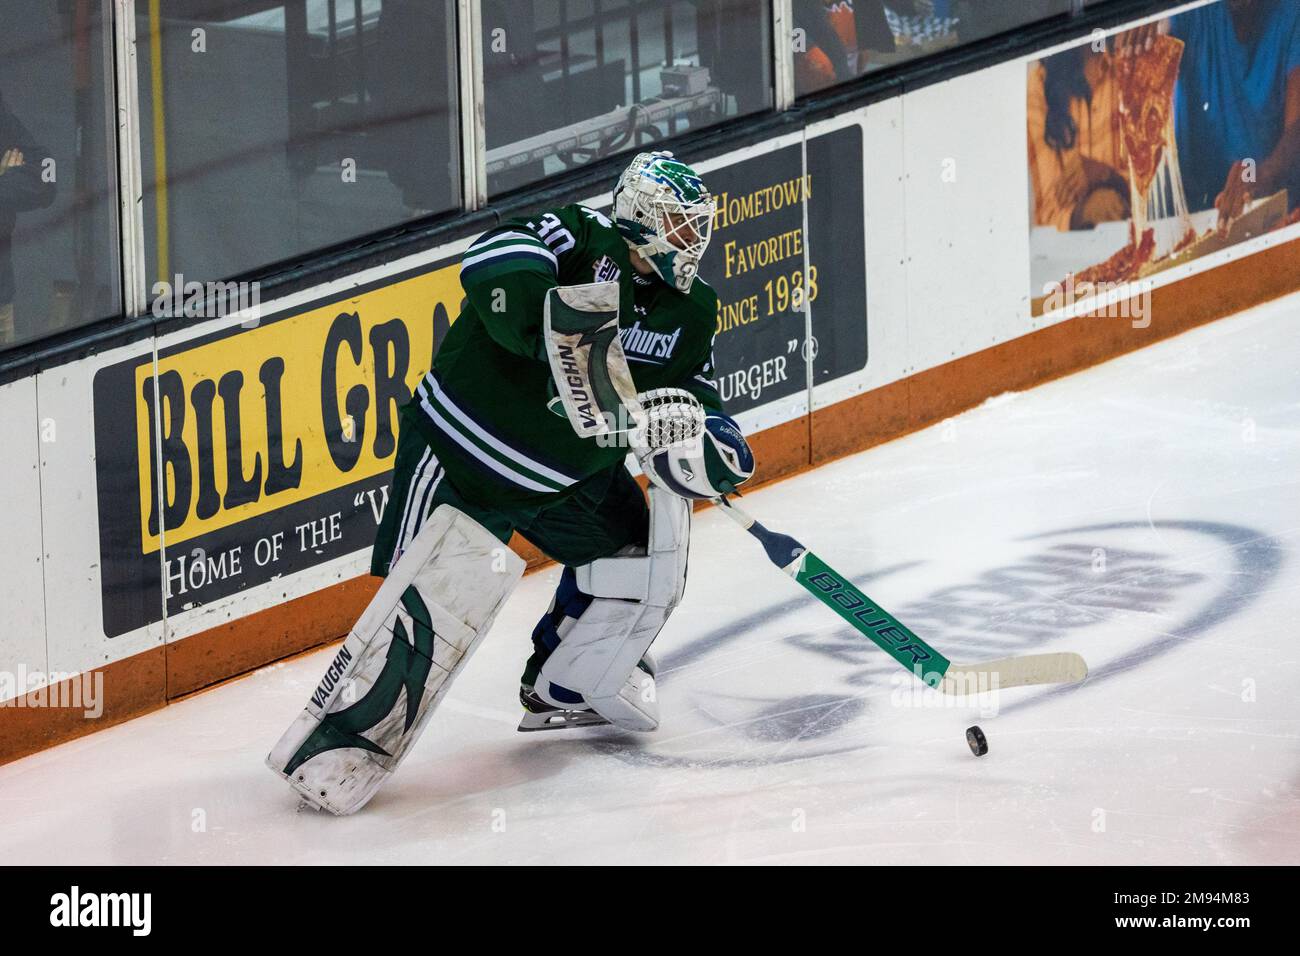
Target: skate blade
(559, 720)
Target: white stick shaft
(734, 512)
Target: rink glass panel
(58, 209)
(271, 130)
(836, 42)
(567, 81)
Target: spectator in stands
(1237, 109)
(838, 38)
(410, 118)
(1075, 150)
(873, 33)
(977, 19)
(826, 53)
(22, 188)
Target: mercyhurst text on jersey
(483, 407)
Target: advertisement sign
(261, 451)
(756, 263)
(1160, 145)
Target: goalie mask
(665, 212)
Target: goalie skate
(539, 715)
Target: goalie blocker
(398, 663)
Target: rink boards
(190, 507)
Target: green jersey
(483, 406)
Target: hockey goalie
(581, 339)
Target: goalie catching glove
(687, 451)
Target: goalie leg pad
(632, 597)
(398, 662)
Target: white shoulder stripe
(540, 251)
(490, 237)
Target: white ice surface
(1144, 513)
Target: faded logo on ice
(1097, 585)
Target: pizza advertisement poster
(1159, 145)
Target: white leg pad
(634, 595)
(398, 662)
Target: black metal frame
(323, 265)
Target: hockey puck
(978, 743)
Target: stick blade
(1062, 668)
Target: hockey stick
(891, 635)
